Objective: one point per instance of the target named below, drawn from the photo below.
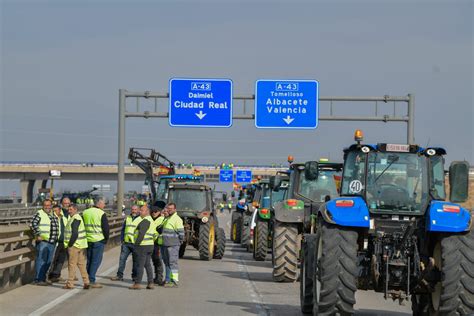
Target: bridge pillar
(27, 187)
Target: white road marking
(67, 295)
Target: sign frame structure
(199, 116)
(226, 175)
(238, 176)
(288, 120)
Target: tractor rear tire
(335, 274)
(285, 252)
(182, 249)
(220, 244)
(236, 229)
(308, 250)
(454, 295)
(260, 244)
(207, 240)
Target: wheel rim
(234, 231)
(436, 294)
(211, 240)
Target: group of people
(62, 233)
(152, 236)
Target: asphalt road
(235, 285)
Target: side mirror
(459, 181)
(311, 170)
(232, 194)
(275, 182)
(224, 197)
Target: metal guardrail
(17, 252)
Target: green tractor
(195, 205)
(262, 239)
(292, 213)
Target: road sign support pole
(121, 151)
(411, 119)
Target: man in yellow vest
(128, 240)
(97, 234)
(144, 235)
(45, 227)
(75, 242)
(60, 252)
(173, 237)
(158, 218)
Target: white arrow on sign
(288, 120)
(200, 115)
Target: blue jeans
(125, 251)
(95, 251)
(44, 257)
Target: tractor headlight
(205, 219)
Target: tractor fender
(349, 211)
(447, 217)
(285, 214)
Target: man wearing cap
(127, 238)
(75, 242)
(144, 235)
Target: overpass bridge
(37, 174)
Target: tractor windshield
(188, 200)
(389, 181)
(162, 189)
(281, 194)
(317, 190)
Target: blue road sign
(286, 104)
(226, 175)
(243, 176)
(200, 102)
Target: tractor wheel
(236, 228)
(220, 244)
(182, 249)
(285, 252)
(260, 244)
(308, 249)
(207, 240)
(335, 274)
(245, 234)
(454, 294)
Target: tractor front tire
(308, 250)
(220, 244)
(335, 274)
(207, 240)
(260, 244)
(236, 229)
(285, 252)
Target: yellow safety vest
(130, 226)
(172, 226)
(93, 223)
(159, 222)
(44, 225)
(81, 241)
(150, 233)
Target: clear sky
(62, 63)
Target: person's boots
(150, 286)
(135, 286)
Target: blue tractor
(392, 231)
